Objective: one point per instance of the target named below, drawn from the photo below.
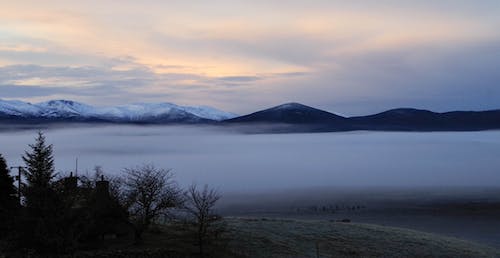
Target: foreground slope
(299, 238)
(256, 237)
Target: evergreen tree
(8, 206)
(42, 225)
(7, 189)
(40, 163)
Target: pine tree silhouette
(43, 225)
(7, 189)
(40, 163)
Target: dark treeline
(49, 215)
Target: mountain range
(289, 117)
(307, 119)
(72, 111)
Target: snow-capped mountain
(139, 112)
(297, 117)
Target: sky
(349, 57)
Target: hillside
(302, 118)
(252, 237)
(409, 119)
(290, 117)
(293, 113)
(299, 238)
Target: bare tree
(149, 193)
(200, 204)
(88, 180)
(116, 191)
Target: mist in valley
(234, 161)
(434, 181)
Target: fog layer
(246, 162)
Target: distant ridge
(407, 119)
(288, 117)
(72, 111)
(293, 113)
(302, 118)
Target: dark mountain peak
(399, 119)
(292, 105)
(410, 119)
(407, 112)
(290, 113)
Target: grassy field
(264, 237)
(301, 238)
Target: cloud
(345, 56)
(239, 78)
(48, 76)
(108, 85)
(440, 78)
(17, 91)
(22, 48)
(27, 81)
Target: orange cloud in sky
(212, 42)
(184, 49)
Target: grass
(299, 238)
(252, 237)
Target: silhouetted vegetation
(45, 207)
(200, 204)
(67, 215)
(149, 192)
(7, 189)
(8, 202)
